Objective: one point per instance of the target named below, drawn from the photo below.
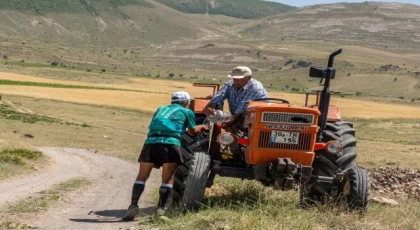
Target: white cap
(180, 96)
(240, 72)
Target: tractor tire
(191, 177)
(357, 186)
(195, 185)
(327, 164)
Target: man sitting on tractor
(239, 91)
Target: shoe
(131, 213)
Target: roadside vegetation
(17, 160)
(237, 204)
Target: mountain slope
(385, 25)
(245, 9)
(81, 23)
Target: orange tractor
(285, 146)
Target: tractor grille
(304, 142)
(294, 118)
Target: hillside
(246, 9)
(116, 23)
(108, 40)
(384, 25)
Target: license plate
(284, 137)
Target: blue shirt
(239, 99)
(169, 123)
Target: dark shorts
(159, 154)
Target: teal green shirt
(169, 123)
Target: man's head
(240, 75)
(181, 98)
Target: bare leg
(144, 171)
(168, 173)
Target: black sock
(137, 191)
(165, 197)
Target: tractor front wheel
(356, 189)
(191, 177)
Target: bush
(17, 156)
(24, 153)
(12, 160)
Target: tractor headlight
(225, 138)
(334, 147)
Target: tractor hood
(260, 106)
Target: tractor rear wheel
(191, 177)
(327, 164)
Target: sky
(300, 3)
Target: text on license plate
(284, 137)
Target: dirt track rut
(98, 206)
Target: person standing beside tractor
(239, 91)
(162, 148)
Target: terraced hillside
(385, 25)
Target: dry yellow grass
(150, 101)
(145, 84)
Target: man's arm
(193, 129)
(217, 100)
(197, 129)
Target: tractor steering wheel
(272, 99)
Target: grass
(42, 202)
(237, 204)
(9, 113)
(120, 132)
(13, 225)
(62, 86)
(15, 161)
(18, 156)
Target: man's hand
(197, 129)
(209, 111)
(202, 128)
(228, 124)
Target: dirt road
(98, 206)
